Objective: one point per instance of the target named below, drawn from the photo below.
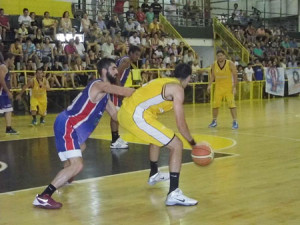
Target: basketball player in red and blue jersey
(73, 126)
(5, 94)
(124, 67)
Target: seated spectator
(102, 25)
(172, 40)
(59, 53)
(49, 25)
(108, 48)
(170, 59)
(113, 25)
(156, 8)
(85, 24)
(82, 78)
(260, 33)
(145, 74)
(154, 42)
(66, 24)
(285, 43)
(26, 20)
(258, 52)
(181, 48)
(4, 24)
(47, 51)
(154, 27)
(134, 39)
(173, 49)
(140, 15)
(146, 45)
(68, 76)
(129, 28)
(80, 49)
(93, 39)
(189, 57)
(91, 64)
(130, 14)
(34, 24)
(30, 52)
(71, 51)
(159, 52)
(119, 44)
(39, 37)
(58, 78)
(16, 50)
(150, 15)
(22, 32)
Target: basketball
(202, 154)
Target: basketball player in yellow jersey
(224, 73)
(138, 114)
(38, 99)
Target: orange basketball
(202, 154)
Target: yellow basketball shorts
(145, 126)
(223, 93)
(40, 105)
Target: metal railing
(225, 40)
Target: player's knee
(175, 144)
(77, 167)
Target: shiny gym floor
(254, 178)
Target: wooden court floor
(255, 182)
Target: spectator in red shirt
(4, 24)
(71, 51)
(140, 15)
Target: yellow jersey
(150, 97)
(223, 76)
(37, 91)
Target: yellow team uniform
(138, 113)
(38, 99)
(223, 82)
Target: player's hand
(10, 96)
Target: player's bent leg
(155, 175)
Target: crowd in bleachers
(268, 47)
(35, 43)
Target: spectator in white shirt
(25, 19)
(134, 39)
(249, 73)
(80, 48)
(108, 48)
(189, 57)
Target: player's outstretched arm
(114, 89)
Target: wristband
(192, 142)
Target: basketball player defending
(5, 94)
(124, 67)
(224, 73)
(138, 114)
(74, 125)
(38, 100)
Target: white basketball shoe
(158, 177)
(176, 197)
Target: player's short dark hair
(7, 55)
(220, 51)
(104, 64)
(134, 49)
(182, 71)
(40, 69)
